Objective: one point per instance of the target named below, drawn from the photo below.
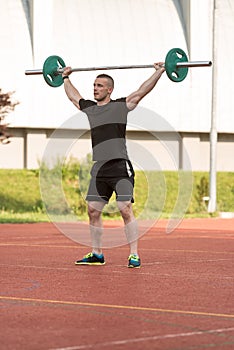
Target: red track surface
(181, 298)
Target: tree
(7, 105)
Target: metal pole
(178, 65)
(110, 68)
(213, 130)
(33, 72)
(194, 64)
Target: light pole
(213, 130)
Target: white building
(172, 123)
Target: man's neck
(104, 102)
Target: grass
(27, 217)
(19, 191)
(156, 194)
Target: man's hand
(66, 71)
(159, 66)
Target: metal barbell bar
(176, 65)
(188, 64)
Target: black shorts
(116, 176)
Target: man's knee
(125, 209)
(95, 209)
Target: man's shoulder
(121, 99)
(122, 104)
(86, 103)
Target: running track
(181, 298)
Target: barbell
(176, 66)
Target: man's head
(103, 87)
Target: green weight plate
(50, 68)
(173, 57)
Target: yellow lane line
(112, 306)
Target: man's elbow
(133, 101)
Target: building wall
(134, 36)
(147, 150)
(130, 32)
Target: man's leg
(95, 222)
(131, 229)
(96, 257)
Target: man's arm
(133, 99)
(72, 93)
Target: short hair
(108, 77)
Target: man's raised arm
(72, 93)
(133, 99)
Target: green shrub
(202, 190)
(63, 187)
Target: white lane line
(137, 340)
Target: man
(112, 170)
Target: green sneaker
(134, 261)
(91, 259)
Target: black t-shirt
(108, 128)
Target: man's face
(102, 89)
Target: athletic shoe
(134, 261)
(91, 259)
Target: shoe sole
(88, 263)
(134, 267)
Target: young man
(112, 170)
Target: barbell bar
(176, 65)
(86, 69)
